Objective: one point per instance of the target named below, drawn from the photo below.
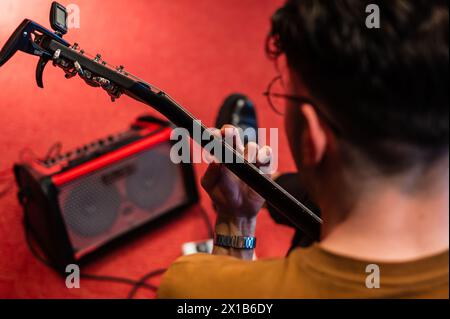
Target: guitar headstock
(95, 71)
(34, 39)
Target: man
(366, 115)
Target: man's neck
(390, 224)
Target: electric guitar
(34, 39)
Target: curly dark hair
(388, 86)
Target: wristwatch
(239, 242)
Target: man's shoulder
(212, 276)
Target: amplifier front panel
(102, 205)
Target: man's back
(306, 273)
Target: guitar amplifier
(78, 202)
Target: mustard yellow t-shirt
(306, 273)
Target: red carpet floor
(197, 50)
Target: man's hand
(232, 197)
(236, 203)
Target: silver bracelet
(239, 242)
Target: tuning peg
(70, 75)
(97, 58)
(56, 54)
(78, 68)
(101, 81)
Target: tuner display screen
(61, 17)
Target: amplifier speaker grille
(112, 200)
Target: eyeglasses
(276, 99)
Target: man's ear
(314, 138)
